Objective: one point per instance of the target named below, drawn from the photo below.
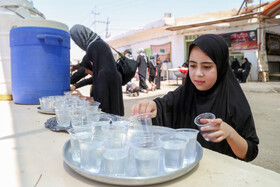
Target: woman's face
(202, 70)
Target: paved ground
(264, 99)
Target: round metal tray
(131, 180)
(45, 112)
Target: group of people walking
(210, 86)
(150, 67)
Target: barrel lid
(40, 23)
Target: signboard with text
(238, 41)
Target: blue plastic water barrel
(40, 63)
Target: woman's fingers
(144, 106)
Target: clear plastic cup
(115, 158)
(78, 120)
(76, 134)
(92, 106)
(63, 116)
(140, 128)
(147, 158)
(43, 103)
(91, 153)
(116, 131)
(191, 136)
(47, 103)
(199, 124)
(173, 152)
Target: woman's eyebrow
(192, 61)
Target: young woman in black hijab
(107, 87)
(210, 87)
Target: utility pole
(95, 21)
(107, 27)
(95, 13)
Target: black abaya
(157, 79)
(107, 88)
(225, 99)
(142, 71)
(107, 81)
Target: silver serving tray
(45, 112)
(131, 180)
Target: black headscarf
(225, 99)
(107, 88)
(83, 36)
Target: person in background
(84, 82)
(243, 71)
(107, 80)
(83, 69)
(210, 87)
(235, 66)
(132, 88)
(152, 71)
(142, 70)
(158, 72)
(128, 54)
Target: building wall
(159, 36)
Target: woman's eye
(192, 65)
(207, 67)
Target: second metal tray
(45, 112)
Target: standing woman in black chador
(210, 87)
(158, 69)
(107, 87)
(142, 60)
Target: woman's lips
(199, 82)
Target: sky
(124, 15)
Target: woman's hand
(237, 143)
(144, 106)
(73, 88)
(221, 128)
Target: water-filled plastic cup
(191, 136)
(147, 158)
(115, 157)
(91, 151)
(116, 131)
(63, 116)
(199, 124)
(173, 152)
(76, 134)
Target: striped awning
(272, 9)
